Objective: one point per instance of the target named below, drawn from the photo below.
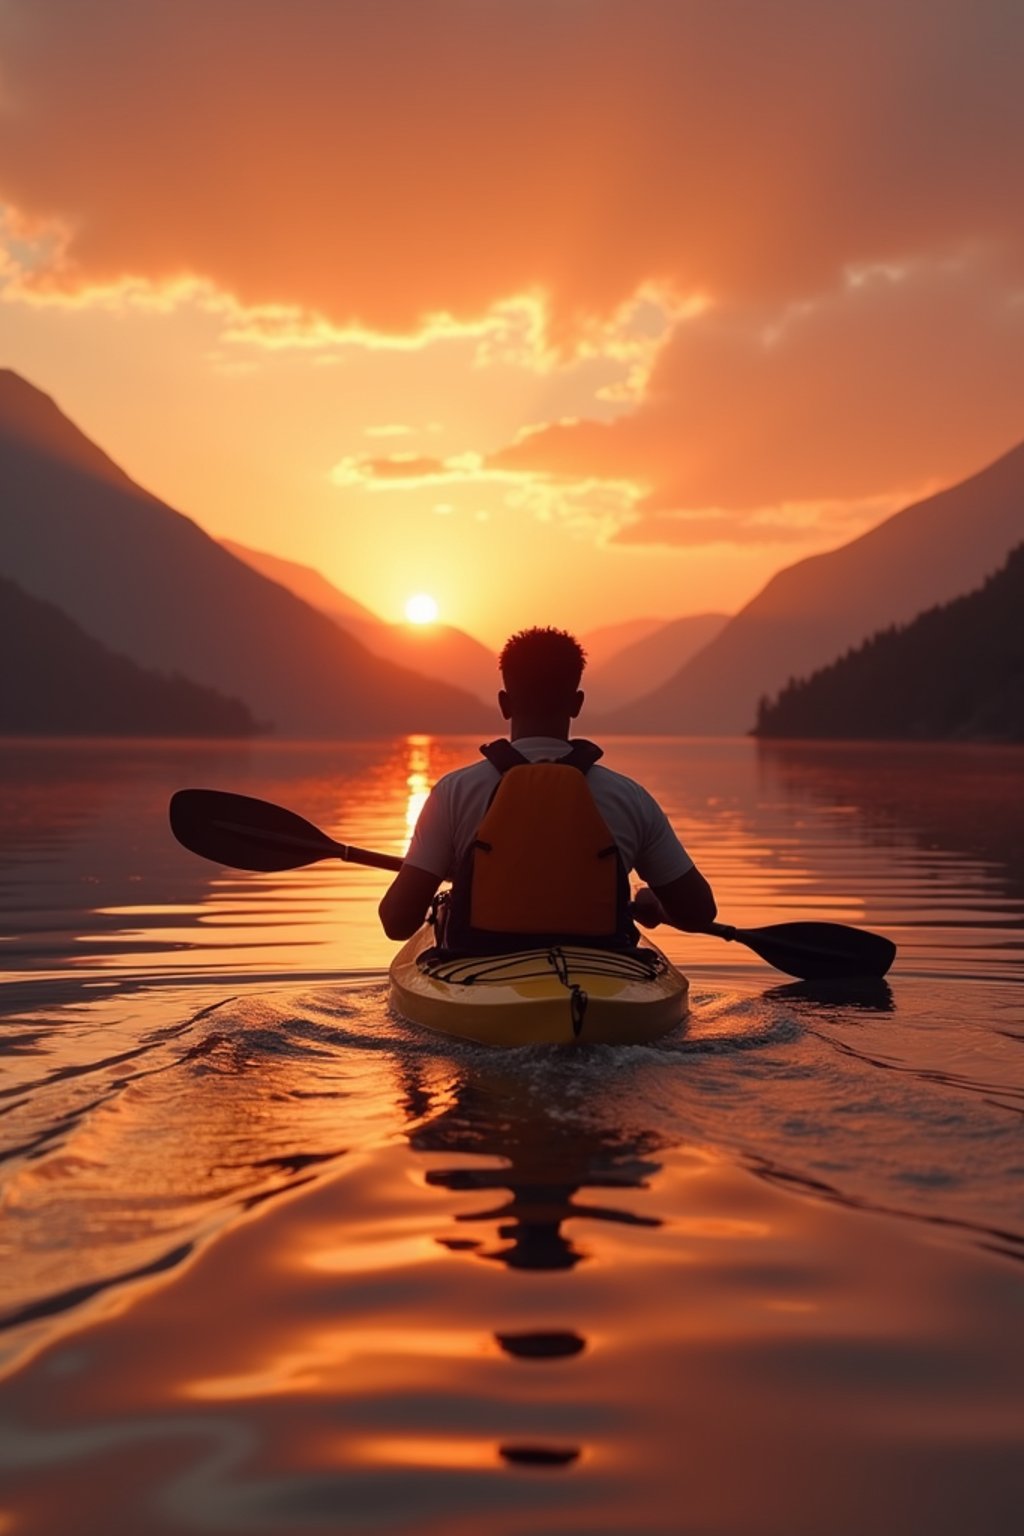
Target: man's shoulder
(468, 774)
(613, 777)
(620, 788)
(484, 772)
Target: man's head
(541, 669)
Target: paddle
(245, 833)
(815, 951)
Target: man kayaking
(546, 859)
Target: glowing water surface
(274, 1261)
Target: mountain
(308, 584)
(955, 672)
(607, 640)
(146, 582)
(440, 650)
(811, 612)
(58, 681)
(435, 650)
(649, 660)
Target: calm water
(272, 1261)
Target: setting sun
(421, 609)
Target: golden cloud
(891, 379)
(375, 165)
(795, 243)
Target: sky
(561, 311)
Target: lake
(272, 1261)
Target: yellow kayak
(563, 995)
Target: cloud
(894, 377)
(409, 469)
(378, 164)
(594, 508)
(688, 530)
(785, 238)
(802, 523)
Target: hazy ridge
(59, 681)
(439, 651)
(810, 613)
(650, 659)
(274, 637)
(147, 582)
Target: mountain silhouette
(58, 681)
(810, 613)
(148, 583)
(308, 584)
(607, 640)
(955, 672)
(440, 650)
(434, 650)
(650, 660)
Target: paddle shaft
(323, 847)
(245, 833)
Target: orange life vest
(543, 867)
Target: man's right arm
(685, 898)
(686, 903)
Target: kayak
(562, 995)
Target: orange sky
(561, 310)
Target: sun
(421, 609)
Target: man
(541, 670)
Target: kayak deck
(556, 995)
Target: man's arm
(687, 903)
(407, 898)
(405, 902)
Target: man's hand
(646, 909)
(687, 903)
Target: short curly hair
(542, 668)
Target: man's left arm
(406, 900)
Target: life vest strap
(503, 754)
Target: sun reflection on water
(418, 781)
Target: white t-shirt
(455, 808)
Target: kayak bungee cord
(471, 970)
(467, 970)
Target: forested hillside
(955, 672)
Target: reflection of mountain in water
(85, 838)
(958, 798)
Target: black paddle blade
(245, 833)
(820, 951)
